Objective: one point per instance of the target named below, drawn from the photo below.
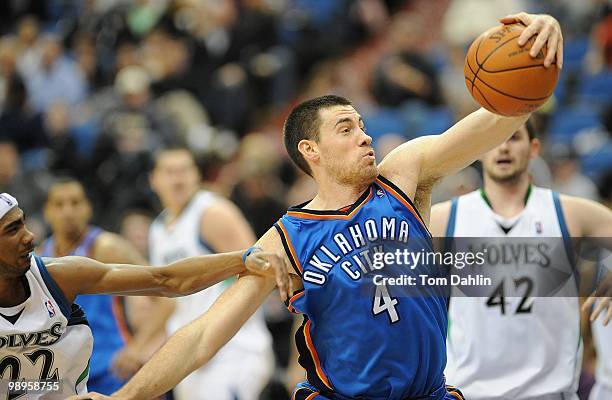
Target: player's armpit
(196, 343)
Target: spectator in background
(28, 31)
(567, 178)
(56, 77)
(8, 61)
(31, 187)
(406, 73)
(18, 123)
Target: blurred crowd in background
(92, 88)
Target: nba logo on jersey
(538, 226)
(50, 308)
(380, 193)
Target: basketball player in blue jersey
(68, 212)
(44, 335)
(357, 341)
(541, 349)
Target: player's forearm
(467, 140)
(195, 344)
(196, 273)
(173, 362)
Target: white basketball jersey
(602, 340)
(44, 338)
(511, 345)
(182, 239)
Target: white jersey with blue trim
(44, 338)
(602, 340)
(510, 345)
(169, 243)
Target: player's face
(510, 160)
(67, 209)
(345, 150)
(16, 244)
(175, 178)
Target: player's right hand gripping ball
(503, 77)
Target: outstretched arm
(80, 275)
(433, 157)
(196, 343)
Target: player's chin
(24, 261)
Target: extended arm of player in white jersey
(80, 275)
(196, 343)
(433, 157)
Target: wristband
(247, 253)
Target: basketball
(502, 76)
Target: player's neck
(507, 199)
(66, 244)
(12, 292)
(333, 196)
(174, 210)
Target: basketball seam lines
(514, 69)
(511, 96)
(485, 99)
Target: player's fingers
(551, 50)
(588, 303)
(597, 310)
(281, 282)
(608, 317)
(532, 29)
(560, 53)
(522, 17)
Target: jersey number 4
(498, 297)
(384, 302)
(13, 364)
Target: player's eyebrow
(16, 223)
(346, 119)
(342, 120)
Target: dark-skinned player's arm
(81, 275)
(111, 248)
(196, 343)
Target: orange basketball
(503, 77)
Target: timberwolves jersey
(105, 317)
(44, 338)
(512, 344)
(360, 339)
(248, 350)
(602, 340)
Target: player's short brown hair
(303, 123)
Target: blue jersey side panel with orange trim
(360, 339)
(106, 320)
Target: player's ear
(309, 150)
(534, 148)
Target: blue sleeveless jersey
(360, 340)
(103, 312)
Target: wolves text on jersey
(47, 337)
